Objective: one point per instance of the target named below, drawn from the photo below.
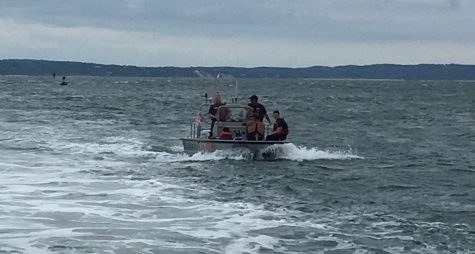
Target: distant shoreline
(234, 79)
(351, 72)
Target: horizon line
(229, 66)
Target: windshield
(232, 113)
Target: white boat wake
(301, 153)
(275, 152)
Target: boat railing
(195, 128)
(234, 117)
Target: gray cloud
(454, 4)
(364, 20)
(304, 23)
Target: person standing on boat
(258, 110)
(255, 126)
(213, 112)
(281, 129)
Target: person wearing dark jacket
(281, 129)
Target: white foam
(251, 244)
(111, 145)
(59, 188)
(200, 156)
(177, 148)
(286, 151)
(301, 153)
(22, 242)
(241, 224)
(133, 147)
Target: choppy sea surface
(374, 167)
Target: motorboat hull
(193, 145)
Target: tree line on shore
(375, 71)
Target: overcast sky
(248, 33)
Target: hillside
(377, 71)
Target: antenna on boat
(235, 93)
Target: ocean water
(373, 167)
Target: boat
(234, 119)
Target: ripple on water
(97, 167)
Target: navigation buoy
(64, 82)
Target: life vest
(256, 112)
(285, 127)
(285, 130)
(226, 134)
(253, 126)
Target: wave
(120, 146)
(301, 153)
(203, 156)
(131, 147)
(276, 152)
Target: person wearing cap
(255, 127)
